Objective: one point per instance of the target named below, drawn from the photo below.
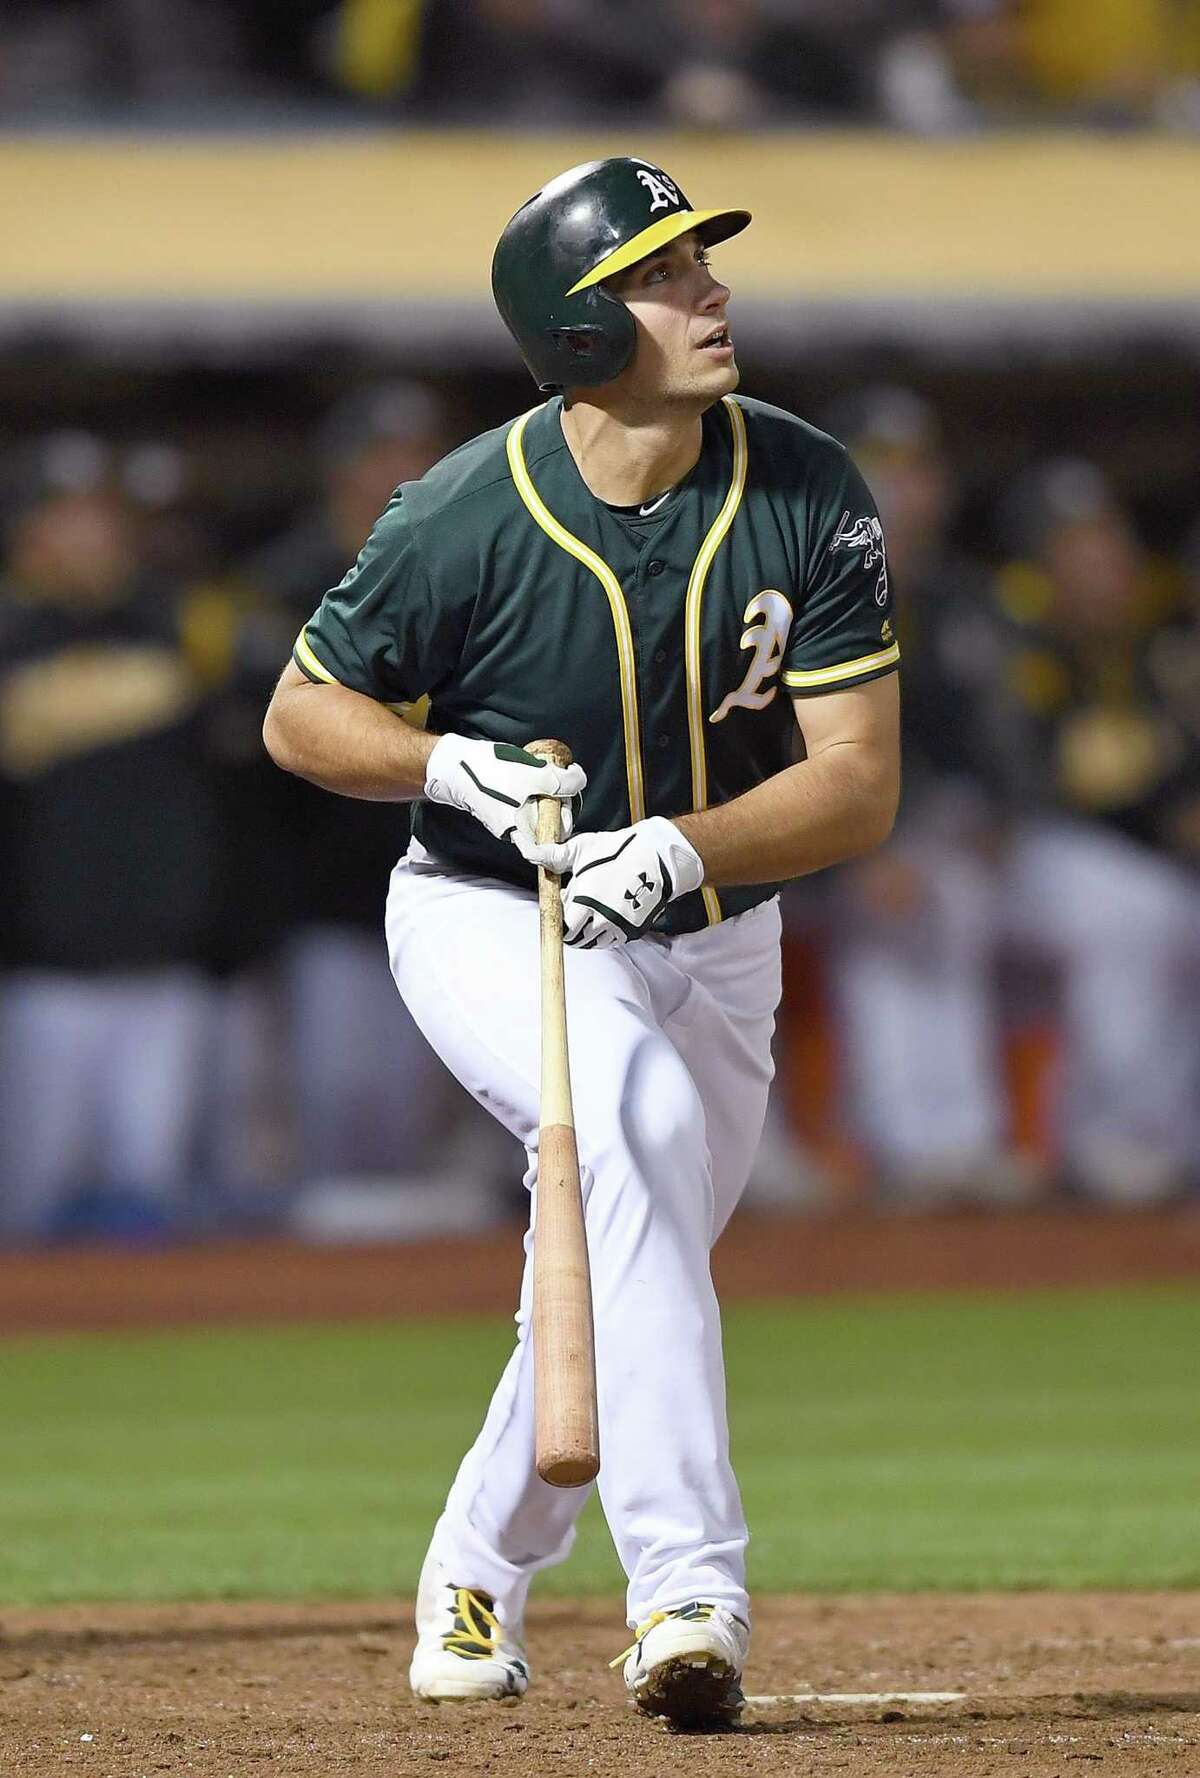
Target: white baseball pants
(670, 1065)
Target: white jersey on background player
(687, 588)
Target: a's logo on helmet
(661, 189)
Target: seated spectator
(914, 956)
(1101, 60)
(1063, 848)
(1116, 62)
(62, 59)
(110, 840)
(367, 1094)
(1098, 876)
(732, 64)
(520, 62)
(1174, 662)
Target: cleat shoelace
(695, 1612)
(476, 1627)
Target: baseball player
(688, 588)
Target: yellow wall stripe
(867, 663)
(1004, 218)
(574, 546)
(695, 598)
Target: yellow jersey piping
(867, 663)
(307, 659)
(415, 712)
(626, 661)
(695, 598)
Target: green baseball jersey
(664, 645)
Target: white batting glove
(498, 784)
(620, 882)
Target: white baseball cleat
(686, 1665)
(464, 1654)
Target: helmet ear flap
(579, 342)
(592, 350)
(578, 354)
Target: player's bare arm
(838, 802)
(348, 742)
(344, 741)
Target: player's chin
(705, 382)
(721, 378)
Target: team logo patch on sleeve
(866, 534)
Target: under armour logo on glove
(498, 784)
(635, 895)
(620, 882)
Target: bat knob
(557, 753)
(572, 1469)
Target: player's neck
(625, 457)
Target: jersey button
(660, 655)
(655, 567)
(663, 741)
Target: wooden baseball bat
(567, 1449)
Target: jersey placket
(655, 593)
(668, 610)
(637, 681)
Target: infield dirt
(1054, 1684)
(758, 1257)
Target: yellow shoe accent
(476, 1633)
(686, 1665)
(697, 1613)
(467, 1656)
(656, 1617)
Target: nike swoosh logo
(653, 505)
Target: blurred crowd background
(198, 1031)
(931, 66)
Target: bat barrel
(567, 1452)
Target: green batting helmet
(585, 226)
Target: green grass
(1026, 1441)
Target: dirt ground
(1052, 1684)
(759, 1256)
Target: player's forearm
(345, 742)
(829, 808)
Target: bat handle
(555, 753)
(556, 1105)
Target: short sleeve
(383, 630)
(843, 632)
